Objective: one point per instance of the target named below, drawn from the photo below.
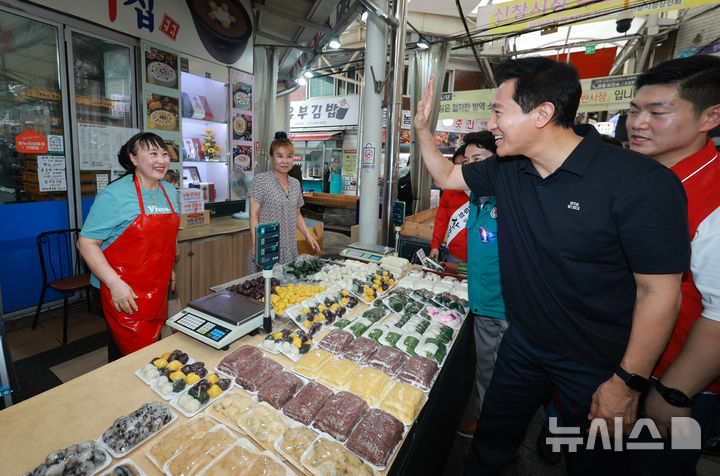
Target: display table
(85, 407)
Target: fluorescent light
(422, 44)
(308, 74)
(364, 16)
(334, 43)
(301, 80)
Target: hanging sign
(331, 111)
(51, 173)
(30, 142)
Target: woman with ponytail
(128, 242)
(277, 197)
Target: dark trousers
(523, 379)
(674, 462)
(114, 352)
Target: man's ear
(710, 118)
(544, 114)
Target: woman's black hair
(143, 140)
(281, 140)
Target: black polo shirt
(570, 242)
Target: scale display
(203, 327)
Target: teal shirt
(484, 288)
(116, 207)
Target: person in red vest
(128, 242)
(677, 102)
(450, 220)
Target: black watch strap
(674, 396)
(633, 381)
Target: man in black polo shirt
(593, 240)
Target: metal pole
(392, 139)
(267, 315)
(371, 138)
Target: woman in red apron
(128, 242)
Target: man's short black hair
(697, 79)
(542, 80)
(460, 151)
(484, 139)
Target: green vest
(484, 288)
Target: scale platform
(219, 319)
(366, 252)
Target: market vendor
(450, 220)
(128, 242)
(277, 197)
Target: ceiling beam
(282, 41)
(293, 18)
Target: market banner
(598, 94)
(336, 111)
(520, 15)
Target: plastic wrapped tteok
(202, 452)
(376, 437)
(326, 456)
(420, 372)
(243, 458)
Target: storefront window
(30, 110)
(103, 99)
(322, 86)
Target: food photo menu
(243, 136)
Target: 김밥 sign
(330, 111)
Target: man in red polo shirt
(677, 102)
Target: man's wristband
(674, 396)
(633, 381)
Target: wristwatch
(634, 381)
(674, 396)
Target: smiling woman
(277, 197)
(128, 242)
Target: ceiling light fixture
(422, 44)
(308, 74)
(334, 43)
(364, 16)
(301, 80)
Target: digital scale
(366, 252)
(221, 318)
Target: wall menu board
(98, 145)
(243, 133)
(161, 90)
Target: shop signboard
(220, 30)
(598, 94)
(521, 15)
(335, 111)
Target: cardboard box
(355, 232)
(194, 219)
(303, 245)
(421, 224)
(190, 200)
(208, 190)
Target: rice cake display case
(92, 402)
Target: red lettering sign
(169, 27)
(30, 142)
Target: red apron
(143, 256)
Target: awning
(305, 136)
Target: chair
(62, 269)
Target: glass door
(34, 162)
(102, 105)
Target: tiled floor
(26, 342)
